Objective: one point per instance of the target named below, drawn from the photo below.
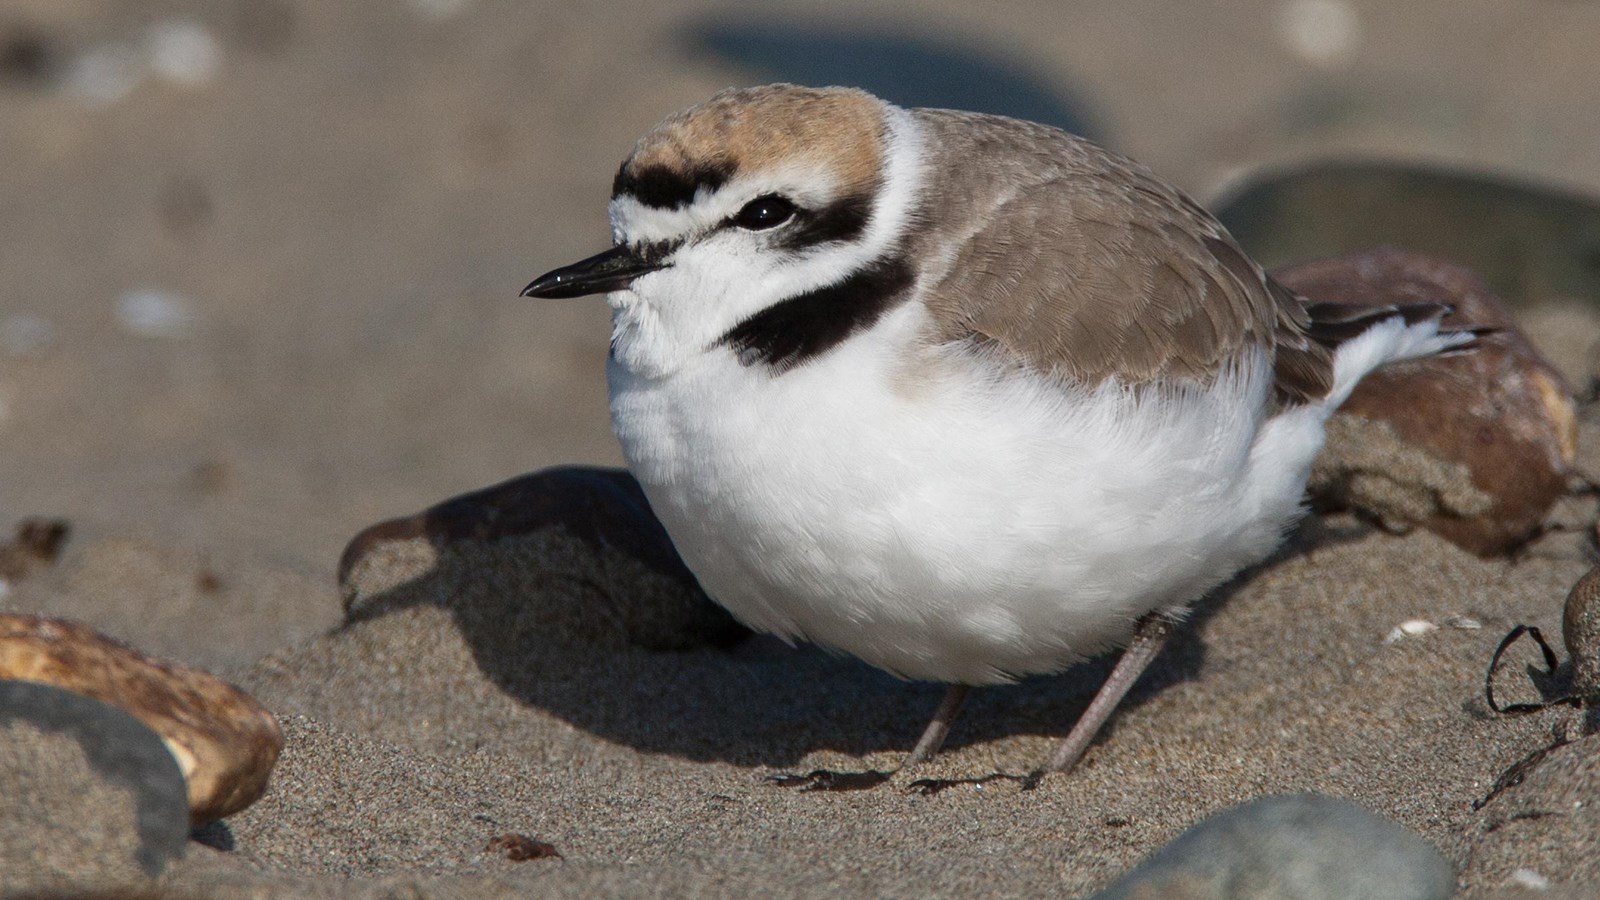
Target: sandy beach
(258, 292)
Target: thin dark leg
(932, 739)
(933, 736)
(1149, 636)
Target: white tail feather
(1391, 340)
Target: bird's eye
(764, 212)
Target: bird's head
(741, 206)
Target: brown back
(1081, 263)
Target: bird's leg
(932, 739)
(939, 728)
(1149, 636)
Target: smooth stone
(571, 554)
(91, 795)
(1476, 446)
(1291, 847)
(224, 741)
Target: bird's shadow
(745, 699)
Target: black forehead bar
(801, 328)
(665, 188)
(842, 220)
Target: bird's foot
(828, 780)
(928, 787)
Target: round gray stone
(1291, 847)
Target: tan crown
(744, 131)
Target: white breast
(945, 520)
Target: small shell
(1410, 628)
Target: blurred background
(259, 259)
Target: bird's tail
(1367, 338)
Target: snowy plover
(967, 397)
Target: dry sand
(343, 213)
(413, 741)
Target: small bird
(967, 397)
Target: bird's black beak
(612, 270)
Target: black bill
(612, 270)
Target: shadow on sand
(662, 670)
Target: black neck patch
(664, 188)
(802, 328)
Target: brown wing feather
(1097, 269)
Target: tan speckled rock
(1475, 447)
(224, 741)
(569, 554)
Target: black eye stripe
(842, 220)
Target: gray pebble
(92, 795)
(1291, 847)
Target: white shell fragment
(1530, 879)
(1410, 628)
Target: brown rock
(571, 553)
(1476, 446)
(224, 741)
(521, 848)
(1580, 631)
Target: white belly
(954, 528)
